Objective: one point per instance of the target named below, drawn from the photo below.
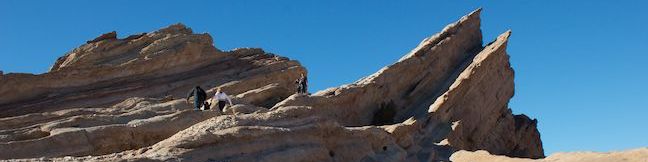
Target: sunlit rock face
(164, 63)
(123, 99)
(633, 155)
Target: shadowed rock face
(449, 93)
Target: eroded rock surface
(120, 99)
(164, 63)
(634, 155)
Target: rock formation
(634, 155)
(165, 63)
(123, 99)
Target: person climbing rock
(220, 97)
(302, 85)
(199, 97)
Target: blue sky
(580, 66)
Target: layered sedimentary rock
(449, 75)
(164, 63)
(98, 131)
(478, 101)
(84, 105)
(449, 93)
(634, 155)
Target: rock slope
(164, 63)
(120, 99)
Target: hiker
(199, 97)
(302, 85)
(220, 97)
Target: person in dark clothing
(199, 97)
(302, 84)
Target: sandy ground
(634, 155)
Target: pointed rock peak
(178, 28)
(501, 39)
(469, 24)
(471, 18)
(476, 11)
(505, 35)
(474, 14)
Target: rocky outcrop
(106, 36)
(478, 101)
(165, 63)
(449, 76)
(410, 84)
(97, 131)
(449, 93)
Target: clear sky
(580, 66)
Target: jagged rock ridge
(160, 64)
(449, 93)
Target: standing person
(302, 84)
(220, 97)
(199, 97)
(298, 85)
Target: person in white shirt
(220, 97)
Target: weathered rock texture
(634, 155)
(165, 63)
(119, 99)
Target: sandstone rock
(411, 83)
(105, 36)
(447, 64)
(634, 155)
(447, 94)
(135, 36)
(243, 109)
(95, 132)
(265, 96)
(486, 123)
(167, 63)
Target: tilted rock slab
(76, 117)
(447, 94)
(165, 63)
(449, 76)
(478, 101)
